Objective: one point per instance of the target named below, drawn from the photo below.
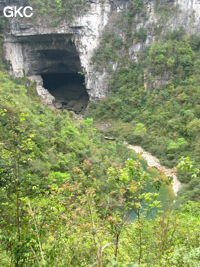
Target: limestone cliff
(36, 47)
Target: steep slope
(153, 97)
(69, 196)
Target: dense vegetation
(56, 10)
(155, 102)
(64, 189)
(71, 198)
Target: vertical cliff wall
(35, 47)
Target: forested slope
(64, 189)
(71, 198)
(154, 100)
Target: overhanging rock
(35, 50)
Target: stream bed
(154, 162)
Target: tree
(17, 150)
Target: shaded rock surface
(35, 46)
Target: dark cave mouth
(68, 89)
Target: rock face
(38, 48)
(35, 49)
(164, 16)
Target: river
(154, 162)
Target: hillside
(82, 85)
(165, 119)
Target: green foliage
(109, 51)
(40, 151)
(141, 35)
(3, 28)
(135, 7)
(160, 94)
(59, 8)
(189, 173)
(72, 189)
(164, 11)
(180, 143)
(193, 128)
(171, 56)
(140, 129)
(69, 197)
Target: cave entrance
(68, 89)
(55, 58)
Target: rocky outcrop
(30, 47)
(40, 47)
(163, 16)
(46, 97)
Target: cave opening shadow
(68, 89)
